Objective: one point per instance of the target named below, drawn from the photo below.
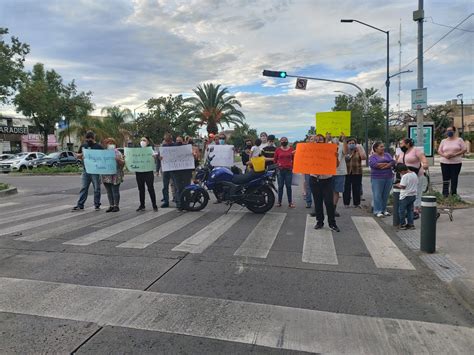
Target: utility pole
(399, 68)
(419, 16)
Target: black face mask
(90, 143)
(249, 145)
(179, 143)
(284, 144)
(190, 142)
(404, 149)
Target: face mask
(143, 144)
(284, 144)
(352, 146)
(221, 141)
(450, 134)
(249, 145)
(190, 142)
(179, 143)
(111, 146)
(90, 143)
(404, 149)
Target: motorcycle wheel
(269, 197)
(194, 200)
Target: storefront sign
(13, 130)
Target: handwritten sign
(139, 159)
(177, 158)
(315, 158)
(334, 123)
(100, 161)
(223, 155)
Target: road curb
(464, 287)
(8, 192)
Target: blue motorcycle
(252, 190)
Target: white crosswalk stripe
(201, 240)
(262, 237)
(318, 247)
(152, 236)
(8, 204)
(38, 223)
(10, 212)
(57, 231)
(36, 213)
(384, 252)
(107, 232)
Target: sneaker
(386, 213)
(155, 208)
(116, 209)
(77, 208)
(165, 205)
(379, 215)
(336, 214)
(97, 208)
(313, 214)
(318, 226)
(110, 209)
(403, 227)
(358, 206)
(411, 226)
(334, 228)
(141, 208)
(308, 205)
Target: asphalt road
(172, 282)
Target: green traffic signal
(274, 73)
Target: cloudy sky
(127, 51)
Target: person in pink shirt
(451, 151)
(284, 159)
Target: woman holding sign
(284, 159)
(146, 178)
(112, 182)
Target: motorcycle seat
(242, 179)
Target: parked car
(57, 159)
(19, 162)
(6, 156)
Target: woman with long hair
(451, 151)
(284, 159)
(112, 182)
(381, 176)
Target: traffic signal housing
(274, 74)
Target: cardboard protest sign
(100, 161)
(223, 155)
(178, 157)
(336, 122)
(315, 158)
(139, 159)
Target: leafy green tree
(115, 123)
(441, 116)
(117, 114)
(375, 113)
(165, 114)
(214, 107)
(12, 57)
(40, 97)
(241, 133)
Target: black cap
(271, 137)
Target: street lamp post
(461, 96)
(387, 81)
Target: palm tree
(213, 107)
(117, 114)
(81, 125)
(116, 125)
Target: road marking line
(107, 232)
(146, 239)
(13, 212)
(36, 213)
(37, 223)
(272, 326)
(384, 252)
(70, 227)
(7, 204)
(318, 246)
(262, 237)
(202, 239)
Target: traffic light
(275, 74)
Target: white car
(19, 162)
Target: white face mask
(111, 146)
(143, 144)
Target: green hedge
(3, 186)
(55, 170)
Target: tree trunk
(212, 128)
(45, 141)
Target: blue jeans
(284, 179)
(380, 192)
(405, 209)
(86, 180)
(308, 198)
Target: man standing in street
(87, 178)
(167, 175)
(269, 151)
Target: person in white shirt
(408, 185)
(256, 149)
(264, 139)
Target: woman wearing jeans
(112, 182)
(284, 159)
(381, 175)
(451, 150)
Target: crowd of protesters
(408, 165)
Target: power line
(440, 24)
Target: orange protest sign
(315, 158)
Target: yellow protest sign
(336, 122)
(315, 158)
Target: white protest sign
(178, 157)
(223, 155)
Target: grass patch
(4, 186)
(237, 159)
(55, 170)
